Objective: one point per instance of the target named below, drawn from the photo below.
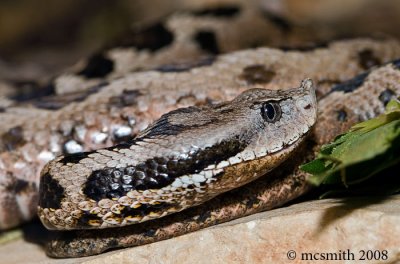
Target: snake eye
(271, 111)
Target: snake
(187, 157)
(212, 112)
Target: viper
(229, 117)
(187, 157)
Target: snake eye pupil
(270, 111)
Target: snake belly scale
(187, 157)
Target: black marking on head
(221, 11)
(182, 67)
(151, 38)
(156, 173)
(59, 101)
(126, 98)
(386, 96)
(257, 74)
(30, 90)
(341, 115)
(350, 85)
(367, 59)
(74, 158)
(280, 22)
(98, 66)
(207, 41)
(51, 192)
(12, 139)
(163, 127)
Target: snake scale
(101, 107)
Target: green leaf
(368, 148)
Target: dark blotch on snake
(256, 74)
(150, 232)
(30, 90)
(305, 47)
(86, 218)
(341, 115)
(350, 85)
(73, 158)
(252, 200)
(367, 59)
(156, 173)
(203, 217)
(207, 41)
(59, 101)
(51, 192)
(223, 11)
(163, 127)
(182, 67)
(396, 64)
(12, 139)
(97, 66)
(151, 38)
(21, 185)
(283, 24)
(126, 98)
(386, 96)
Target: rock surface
(316, 227)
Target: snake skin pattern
(119, 92)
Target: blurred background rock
(38, 38)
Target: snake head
(265, 120)
(187, 157)
(273, 120)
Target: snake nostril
(307, 106)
